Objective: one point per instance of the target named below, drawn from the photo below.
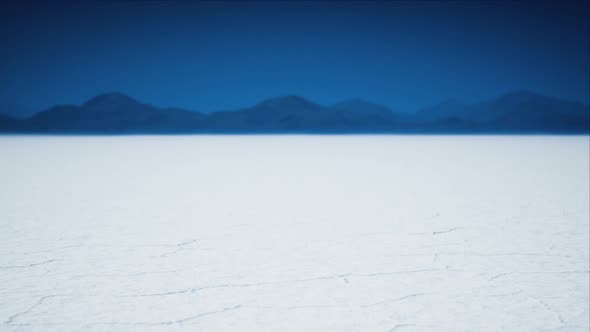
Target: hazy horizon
(147, 102)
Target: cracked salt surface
(294, 233)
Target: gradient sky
(223, 55)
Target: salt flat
(294, 233)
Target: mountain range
(117, 113)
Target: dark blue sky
(224, 55)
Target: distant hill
(296, 114)
(10, 124)
(14, 110)
(116, 113)
(289, 113)
(520, 111)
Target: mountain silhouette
(10, 124)
(519, 111)
(114, 113)
(288, 113)
(117, 113)
(297, 114)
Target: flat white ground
(294, 233)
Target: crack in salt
(497, 276)
(171, 322)
(399, 326)
(28, 265)
(548, 308)
(393, 300)
(39, 302)
(180, 247)
(445, 231)
(343, 277)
